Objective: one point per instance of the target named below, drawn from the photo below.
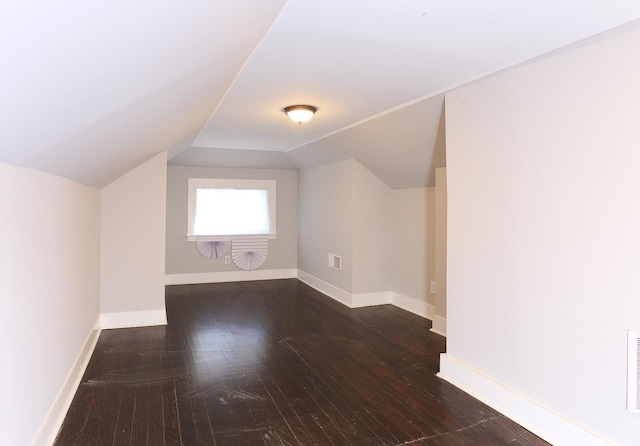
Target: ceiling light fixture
(300, 113)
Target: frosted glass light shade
(300, 113)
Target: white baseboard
(540, 420)
(345, 298)
(415, 306)
(326, 288)
(370, 299)
(230, 276)
(53, 421)
(133, 319)
(439, 325)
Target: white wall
(325, 203)
(543, 167)
(346, 210)
(413, 244)
(133, 246)
(372, 233)
(440, 248)
(49, 270)
(182, 255)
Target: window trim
(220, 183)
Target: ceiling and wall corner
(230, 158)
(402, 148)
(90, 91)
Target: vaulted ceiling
(89, 90)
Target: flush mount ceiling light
(300, 113)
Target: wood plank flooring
(276, 363)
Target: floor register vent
(633, 386)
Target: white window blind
(220, 208)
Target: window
(221, 209)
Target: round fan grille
(249, 253)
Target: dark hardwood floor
(276, 363)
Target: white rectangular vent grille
(633, 386)
(335, 261)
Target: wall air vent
(633, 385)
(335, 261)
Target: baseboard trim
(360, 300)
(350, 300)
(130, 319)
(415, 306)
(230, 276)
(439, 325)
(53, 421)
(535, 417)
(370, 299)
(325, 288)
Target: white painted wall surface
(133, 240)
(372, 233)
(49, 270)
(182, 255)
(543, 169)
(414, 243)
(325, 202)
(441, 248)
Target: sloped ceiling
(402, 148)
(91, 89)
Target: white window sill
(225, 238)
